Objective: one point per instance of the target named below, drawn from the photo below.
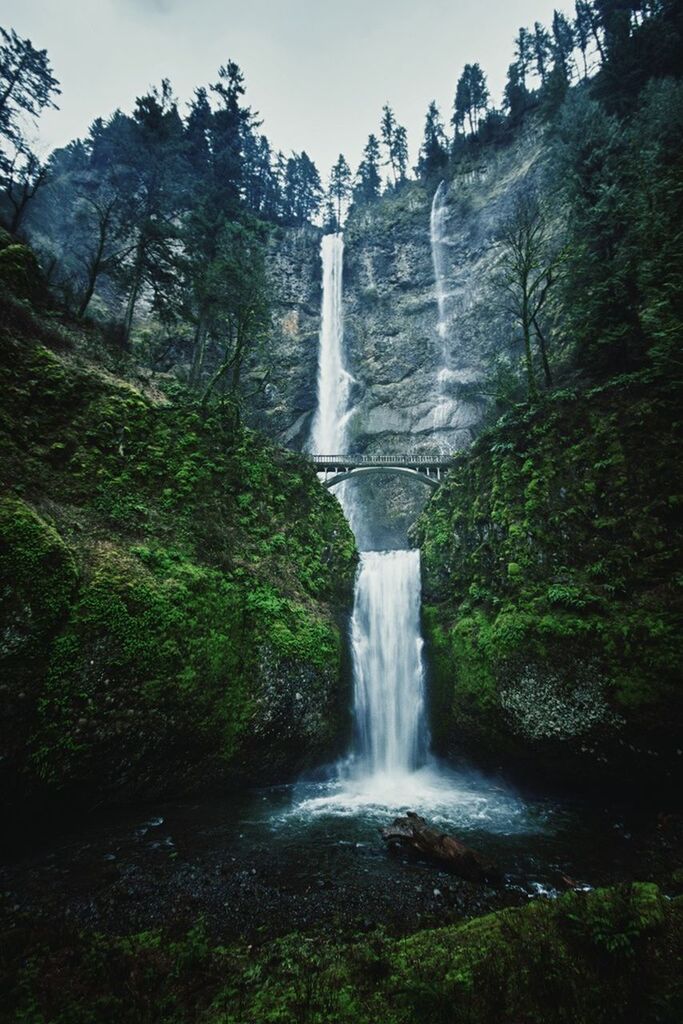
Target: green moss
(214, 574)
(610, 956)
(561, 541)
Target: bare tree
(529, 265)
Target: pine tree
(27, 87)
(388, 130)
(434, 151)
(401, 152)
(340, 186)
(368, 181)
(471, 98)
(542, 51)
(524, 52)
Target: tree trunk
(134, 292)
(199, 351)
(543, 348)
(528, 357)
(413, 833)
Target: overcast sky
(317, 71)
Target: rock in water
(412, 832)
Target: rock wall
(417, 388)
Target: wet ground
(310, 856)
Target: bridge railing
(380, 460)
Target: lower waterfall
(388, 674)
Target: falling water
(389, 765)
(444, 406)
(328, 436)
(390, 730)
(437, 235)
(387, 664)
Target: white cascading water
(438, 226)
(328, 434)
(389, 698)
(389, 766)
(437, 237)
(389, 716)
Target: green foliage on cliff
(552, 580)
(611, 956)
(168, 587)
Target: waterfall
(328, 435)
(390, 732)
(437, 235)
(389, 705)
(444, 406)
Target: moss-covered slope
(172, 589)
(605, 957)
(552, 584)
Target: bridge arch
(356, 471)
(335, 469)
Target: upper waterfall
(328, 435)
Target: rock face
(422, 326)
(285, 407)
(416, 388)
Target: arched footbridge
(334, 469)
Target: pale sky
(317, 71)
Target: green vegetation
(605, 957)
(553, 597)
(172, 587)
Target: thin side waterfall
(437, 236)
(438, 226)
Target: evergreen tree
(388, 130)
(524, 53)
(401, 152)
(563, 45)
(368, 183)
(302, 189)
(542, 51)
(27, 87)
(471, 98)
(434, 151)
(340, 186)
(515, 96)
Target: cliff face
(417, 386)
(285, 406)
(423, 324)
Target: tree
(542, 51)
(388, 129)
(401, 151)
(302, 190)
(433, 153)
(562, 44)
(368, 181)
(471, 98)
(524, 52)
(528, 267)
(233, 291)
(515, 95)
(27, 87)
(395, 141)
(340, 185)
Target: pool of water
(309, 855)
